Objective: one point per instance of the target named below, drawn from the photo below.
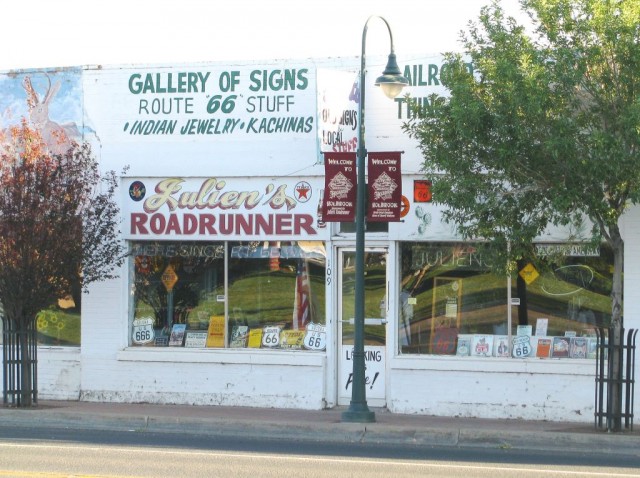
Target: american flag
(302, 307)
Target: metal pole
(358, 410)
(392, 83)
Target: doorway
(376, 288)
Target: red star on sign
(302, 189)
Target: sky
(61, 33)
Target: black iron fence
(615, 379)
(20, 363)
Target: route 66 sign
(315, 337)
(521, 346)
(143, 331)
(271, 337)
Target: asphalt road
(54, 453)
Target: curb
(372, 433)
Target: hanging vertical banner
(340, 183)
(385, 187)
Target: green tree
(544, 131)
(58, 224)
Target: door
(375, 328)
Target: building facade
(238, 292)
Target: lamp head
(392, 82)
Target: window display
(451, 303)
(266, 294)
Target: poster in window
(464, 346)
(544, 347)
(239, 336)
(177, 335)
(592, 347)
(445, 308)
(523, 330)
(451, 310)
(444, 341)
(292, 339)
(560, 347)
(255, 338)
(215, 337)
(195, 339)
(482, 346)
(542, 325)
(578, 347)
(501, 346)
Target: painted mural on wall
(51, 101)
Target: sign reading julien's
(210, 208)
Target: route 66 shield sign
(315, 337)
(521, 346)
(271, 336)
(143, 331)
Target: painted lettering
(148, 127)
(367, 380)
(209, 126)
(166, 105)
(182, 82)
(189, 224)
(138, 220)
(278, 80)
(271, 104)
(209, 196)
(291, 124)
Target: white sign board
(374, 359)
(215, 208)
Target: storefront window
(229, 295)
(451, 303)
(60, 323)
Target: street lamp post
(391, 83)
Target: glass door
(375, 327)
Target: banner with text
(384, 187)
(340, 181)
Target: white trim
(222, 356)
(452, 363)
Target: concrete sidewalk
(324, 425)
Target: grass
(58, 327)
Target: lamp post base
(358, 414)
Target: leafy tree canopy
(58, 222)
(546, 128)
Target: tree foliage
(58, 222)
(58, 230)
(546, 128)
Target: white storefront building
(238, 293)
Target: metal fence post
(605, 379)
